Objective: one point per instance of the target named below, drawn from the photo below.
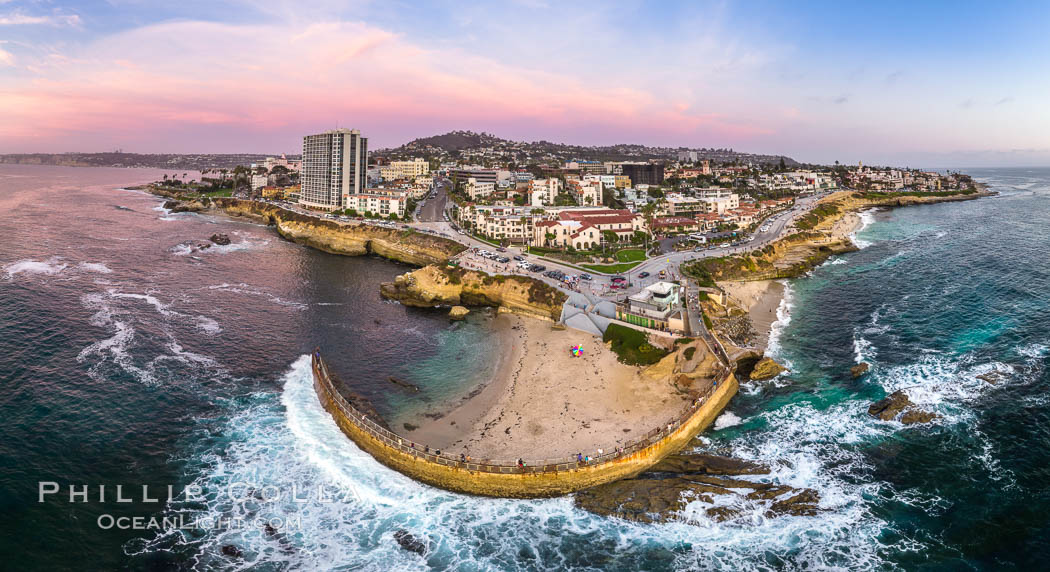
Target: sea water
(128, 358)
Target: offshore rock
(232, 551)
(859, 369)
(220, 239)
(765, 369)
(896, 403)
(916, 415)
(660, 494)
(890, 406)
(441, 285)
(709, 465)
(409, 542)
(991, 377)
(187, 207)
(458, 313)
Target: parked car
(504, 259)
(519, 258)
(616, 279)
(585, 276)
(501, 249)
(643, 274)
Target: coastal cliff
(823, 233)
(437, 285)
(402, 245)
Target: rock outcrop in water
(897, 404)
(438, 285)
(191, 206)
(407, 541)
(766, 368)
(458, 313)
(220, 239)
(859, 369)
(660, 494)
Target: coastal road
(432, 219)
(433, 210)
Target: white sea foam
(48, 267)
(94, 267)
(294, 440)
(250, 290)
(116, 350)
(863, 350)
(777, 328)
(1034, 351)
(181, 249)
(866, 219)
(727, 419)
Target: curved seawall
(543, 478)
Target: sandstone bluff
(437, 285)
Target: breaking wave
(48, 267)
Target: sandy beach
(760, 299)
(547, 404)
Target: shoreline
(544, 403)
(761, 299)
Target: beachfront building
(657, 307)
(378, 202)
(334, 167)
(404, 169)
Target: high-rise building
(643, 173)
(334, 167)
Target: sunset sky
(906, 83)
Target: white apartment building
(334, 167)
(476, 190)
(260, 181)
(587, 193)
(382, 202)
(404, 169)
(543, 191)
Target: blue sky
(929, 83)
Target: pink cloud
(186, 86)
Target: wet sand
(546, 404)
(760, 299)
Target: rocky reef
(662, 493)
(441, 285)
(859, 370)
(897, 406)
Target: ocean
(132, 358)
